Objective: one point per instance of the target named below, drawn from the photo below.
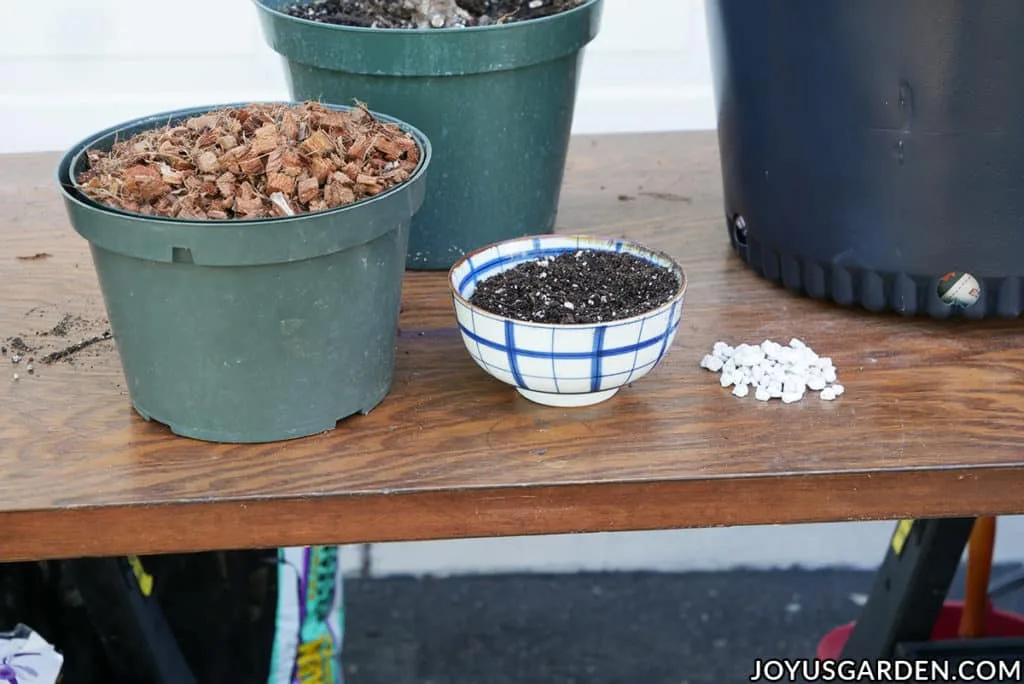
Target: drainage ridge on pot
(250, 330)
(496, 101)
(578, 364)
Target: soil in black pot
(579, 287)
(426, 13)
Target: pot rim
(73, 154)
(643, 250)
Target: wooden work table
(932, 422)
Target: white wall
(860, 545)
(71, 67)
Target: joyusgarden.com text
(810, 670)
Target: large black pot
(869, 147)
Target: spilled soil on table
(48, 338)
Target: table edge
(143, 529)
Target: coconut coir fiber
(256, 161)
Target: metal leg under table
(130, 624)
(909, 587)
(907, 596)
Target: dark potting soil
(579, 287)
(67, 341)
(426, 13)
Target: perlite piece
(773, 370)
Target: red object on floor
(998, 623)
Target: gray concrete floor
(602, 628)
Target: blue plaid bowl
(561, 365)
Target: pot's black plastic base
(877, 291)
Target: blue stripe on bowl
(568, 378)
(472, 271)
(639, 338)
(554, 375)
(674, 324)
(595, 362)
(472, 322)
(512, 351)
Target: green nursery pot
(250, 330)
(496, 102)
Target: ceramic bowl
(561, 364)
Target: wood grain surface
(931, 423)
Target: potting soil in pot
(478, 92)
(585, 286)
(257, 161)
(427, 13)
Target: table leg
(131, 626)
(909, 587)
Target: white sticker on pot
(959, 289)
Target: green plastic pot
(250, 330)
(496, 102)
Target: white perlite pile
(773, 371)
